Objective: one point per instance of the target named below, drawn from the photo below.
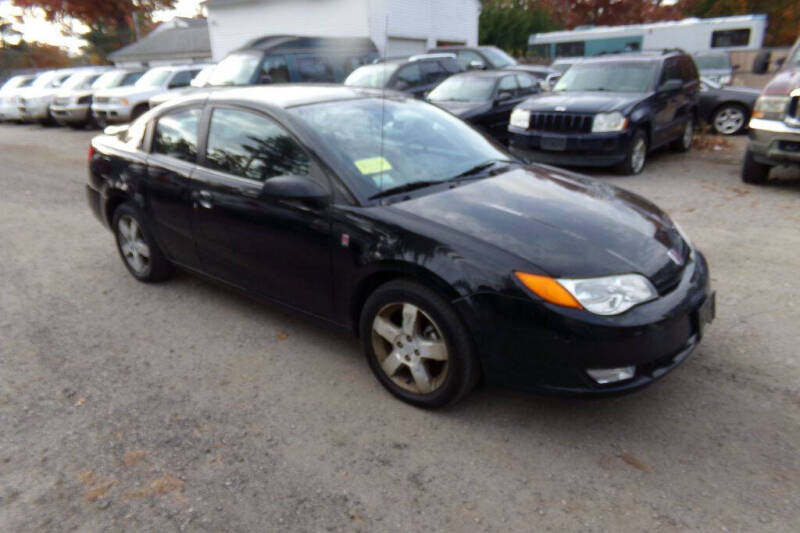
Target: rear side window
(671, 70)
(175, 134)
(410, 74)
(248, 145)
(314, 69)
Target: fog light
(611, 375)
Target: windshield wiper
(479, 168)
(406, 187)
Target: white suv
(125, 104)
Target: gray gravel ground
(183, 406)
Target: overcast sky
(35, 28)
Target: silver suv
(72, 104)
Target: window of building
(723, 38)
(573, 48)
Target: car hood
(565, 225)
(73, 93)
(783, 83)
(163, 96)
(582, 102)
(34, 94)
(128, 91)
(462, 109)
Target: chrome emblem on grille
(560, 108)
(675, 256)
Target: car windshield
(709, 62)
(463, 89)
(16, 82)
(236, 69)
(153, 78)
(46, 79)
(627, 77)
(374, 76)
(76, 81)
(109, 79)
(385, 143)
(202, 77)
(498, 58)
(561, 67)
(709, 84)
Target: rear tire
(754, 172)
(684, 143)
(417, 346)
(729, 119)
(139, 252)
(636, 157)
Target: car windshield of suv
(386, 143)
(463, 89)
(108, 79)
(46, 79)
(202, 77)
(236, 69)
(627, 77)
(498, 58)
(373, 76)
(713, 62)
(153, 78)
(76, 81)
(16, 82)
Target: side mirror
(551, 81)
(503, 96)
(671, 85)
(291, 187)
(477, 64)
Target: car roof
(289, 95)
(487, 73)
(290, 43)
(632, 57)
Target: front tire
(137, 248)
(754, 172)
(636, 157)
(417, 346)
(729, 119)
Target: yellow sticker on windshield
(373, 165)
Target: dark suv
(478, 57)
(775, 123)
(611, 111)
(415, 75)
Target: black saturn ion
(452, 261)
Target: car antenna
(383, 94)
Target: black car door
(666, 104)
(505, 98)
(272, 247)
(170, 164)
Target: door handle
(203, 199)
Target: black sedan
(485, 99)
(726, 109)
(394, 219)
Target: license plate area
(556, 143)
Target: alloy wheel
(639, 155)
(688, 134)
(133, 246)
(410, 348)
(729, 120)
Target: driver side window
(248, 145)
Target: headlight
(610, 295)
(119, 101)
(615, 121)
(724, 80)
(770, 107)
(521, 118)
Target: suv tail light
(91, 153)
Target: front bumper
(569, 149)
(773, 142)
(9, 111)
(112, 113)
(70, 113)
(34, 110)
(531, 345)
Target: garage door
(404, 47)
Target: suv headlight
(609, 295)
(770, 107)
(521, 118)
(604, 122)
(119, 101)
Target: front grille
(561, 122)
(101, 99)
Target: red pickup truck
(775, 123)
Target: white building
(397, 27)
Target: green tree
(508, 24)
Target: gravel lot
(183, 406)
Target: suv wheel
(753, 171)
(416, 345)
(729, 119)
(637, 155)
(684, 142)
(136, 246)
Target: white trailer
(745, 32)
